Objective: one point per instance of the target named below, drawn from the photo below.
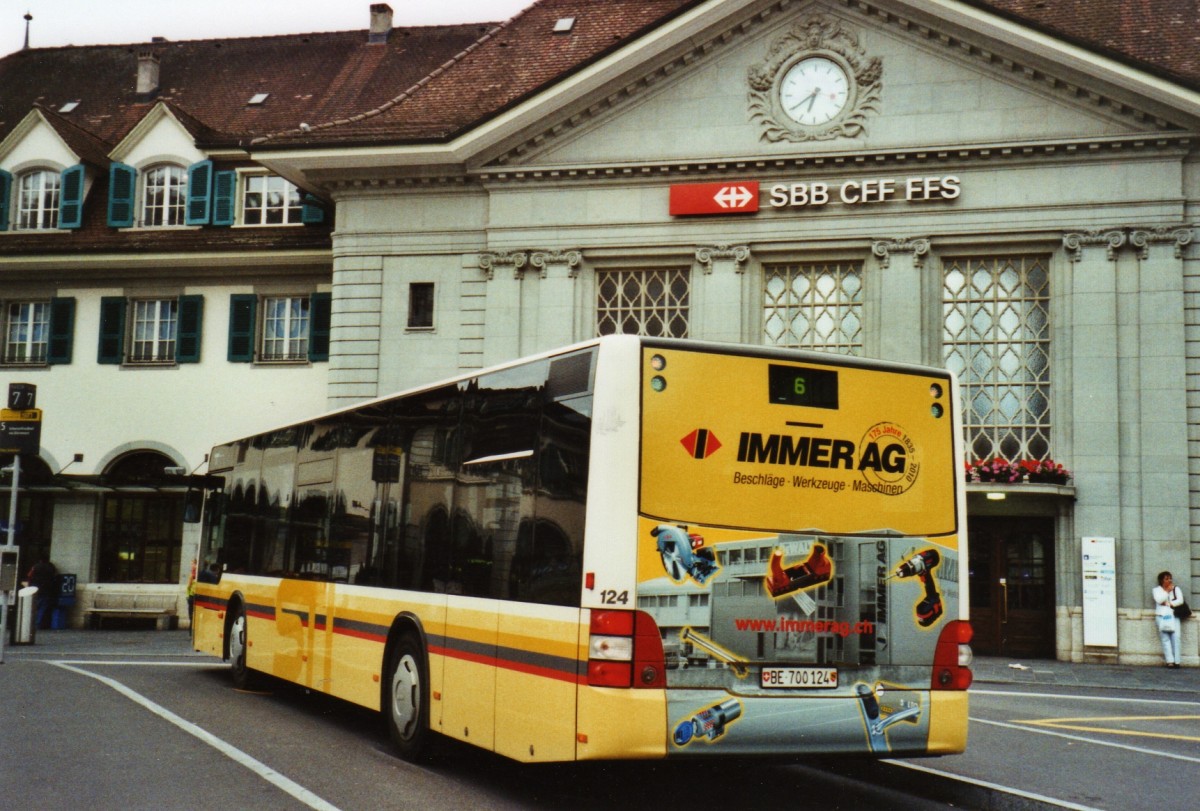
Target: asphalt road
(143, 723)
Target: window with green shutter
(70, 201)
(224, 211)
(191, 318)
(122, 190)
(112, 330)
(320, 312)
(200, 188)
(62, 331)
(242, 308)
(6, 184)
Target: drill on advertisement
(921, 566)
(710, 723)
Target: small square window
(420, 305)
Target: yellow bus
(628, 548)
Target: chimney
(381, 23)
(147, 75)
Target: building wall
(515, 243)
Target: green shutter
(191, 319)
(199, 199)
(5, 194)
(241, 327)
(319, 313)
(313, 211)
(70, 198)
(112, 330)
(224, 194)
(122, 189)
(62, 331)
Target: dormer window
(164, 195)
(37, 200)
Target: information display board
(1100, 592)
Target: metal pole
(12, 529)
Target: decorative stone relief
(488, 262)
(918, 247)
(1074, 243)
(572, 259)
(740, 254)
(1143, 238)
(820, 36)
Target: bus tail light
(952, 657)
(625, 650)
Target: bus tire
(243, 677)
(406, 699)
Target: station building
(1006, 188)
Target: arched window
(141, 529)
(164, 193)
(37, 200)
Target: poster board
(1099, 557)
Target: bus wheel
(243, 676)
(406, 700)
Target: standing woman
(1166, 596)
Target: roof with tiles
(428, 84)
(307, 77)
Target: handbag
(1182, 611)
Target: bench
(124, 605)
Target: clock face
(814, 91)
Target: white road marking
(1065, 696)
(258, 767)
(1140, 750)
(94, 662)
(1041, 798)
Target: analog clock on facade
(814, 91)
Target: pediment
(913, 83)
(34, 141)
(159, 136)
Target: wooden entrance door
(1012, 586)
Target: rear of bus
(799, 540)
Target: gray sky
(107, 22)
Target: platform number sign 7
(22, 396)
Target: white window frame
(32, 320)
(153, 330)
(285, 328)
(171, 210)
(37, 206)
(260, 187)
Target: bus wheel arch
(404, 700)
(237, 643)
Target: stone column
(719, 295)
(1091, 372)
(901, 316)
(502, 307)
(1161, 351)
(355, 323)
(554, 324)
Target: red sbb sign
(732, 197)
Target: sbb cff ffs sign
(733, 197)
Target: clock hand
(810, 99)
